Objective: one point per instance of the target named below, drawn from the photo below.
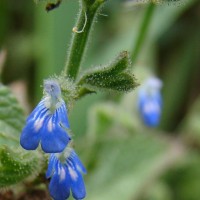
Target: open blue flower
(66, 177)
(150, 101)
(48, 123)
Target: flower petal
(29, 139)
(76, 182)
(150, 109)
(77, 162)
(37, 111)
(150, 101)
(53, 161)
(54, 138)
(30, 136)
(59, 186)
(62, 111)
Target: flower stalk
(142, 31)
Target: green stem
(84, 91)
(142, 31)
(79, 40)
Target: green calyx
(115, 76)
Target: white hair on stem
(75, 29)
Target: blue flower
(150, 102)
(66, 176)
(48, 123)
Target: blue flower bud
(48, 122)
(66, 176)
(150, 101)
(52, 88)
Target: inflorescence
(150, 101)
(48, 125)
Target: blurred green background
(125, 159)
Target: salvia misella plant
(48, 125)
(130, 139)
(45, 136)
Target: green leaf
(157, 191)
(116, 76)
(16, 164)
(38, 1)
(103, 116)
(124, 158)
(184, 178)
(190, 126)
(125, 166)
(12, 117)
(92, 3)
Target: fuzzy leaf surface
(12, 118)
(124, 160)
(16, 164)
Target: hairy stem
(79, 40)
